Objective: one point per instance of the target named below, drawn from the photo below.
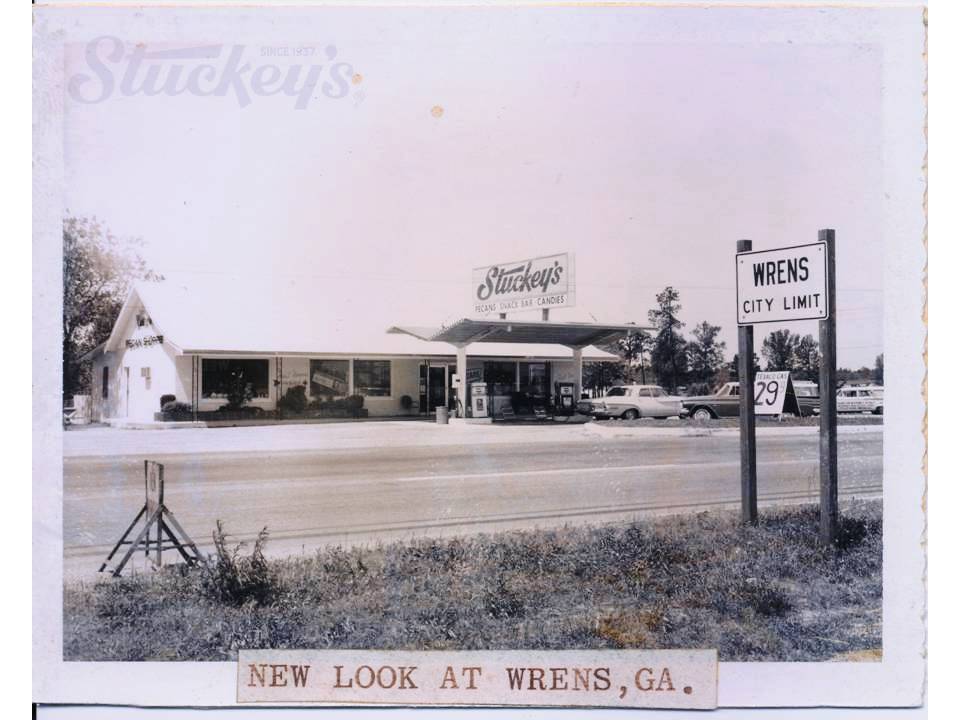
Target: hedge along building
(187, 339)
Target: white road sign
(782, 285)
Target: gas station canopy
(571, 334)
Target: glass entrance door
(436, 387)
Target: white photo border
(896, 681)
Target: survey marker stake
(157, 516)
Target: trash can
(443, 416)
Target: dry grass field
(765, 593)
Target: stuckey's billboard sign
(536, 284)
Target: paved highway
(311, 498)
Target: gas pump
(479, 400)
(565, 400)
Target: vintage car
(860, 399)
(633, 401)
(808, 395)
(725, 402)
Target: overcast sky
(560, 131)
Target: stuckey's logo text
(520, 279)
(207, 71)
(542, 282)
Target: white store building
(188, 339)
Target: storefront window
(371, 377)
(328, 378)
(219, 376)
(500, 373)
(500, 376)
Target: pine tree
(668, 358)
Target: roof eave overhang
(386, 355)
(572, 335)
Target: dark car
(808, 395)
(725, 402)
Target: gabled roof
(131, 306)
(290, 316)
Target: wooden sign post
(777, 286)
(829, 503)
(153, 487)
(157, 516)
(748, 421)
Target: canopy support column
(462, 381)
(578, 372)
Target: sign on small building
(535, 284)
(146, 341)
(782, 285)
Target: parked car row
(630, 402)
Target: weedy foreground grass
(765, 593)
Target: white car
(860, 399)
(633, 401)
